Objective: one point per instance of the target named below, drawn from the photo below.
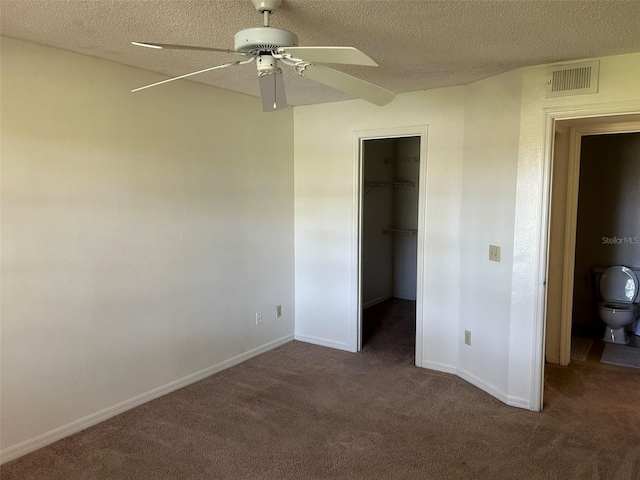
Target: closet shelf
(400, 231)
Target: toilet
(618, 309)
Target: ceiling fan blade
(349, 84)
(343, 55)
(169, 46)
(272, 92)
(224, 65)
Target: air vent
(573, 79)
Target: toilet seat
(619, 285)
(614, 306)
(607, 305)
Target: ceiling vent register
(573, 79)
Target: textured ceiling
(418, 44)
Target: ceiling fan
(269, 46)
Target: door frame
(359, 137)
(576, 132)
(550, 116)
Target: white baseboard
(376, 301)
(323, 342)
(32, 444)
(519, 402)
(482, 385)
(405, 295)
(439, 367)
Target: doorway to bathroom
(388, 240)
(594, 224)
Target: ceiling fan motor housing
(266, 5)
(262, 40)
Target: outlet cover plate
(494, 253)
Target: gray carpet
(621, 355)
(308, 412)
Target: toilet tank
(598, 270)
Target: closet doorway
(389, 204)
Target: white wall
(140, 234)
(325, 195)
(491, 132)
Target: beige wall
(560, 175)
(140, 234)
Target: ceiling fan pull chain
(275, 95)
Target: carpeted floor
(306, 412)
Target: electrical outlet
(494, 253)
(258, 318)
(467, 337)
(278, 311)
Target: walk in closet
(391, 169)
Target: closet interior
(390, 179)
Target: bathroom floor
(595, 354)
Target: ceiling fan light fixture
(266, 64)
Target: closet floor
(389, 330)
